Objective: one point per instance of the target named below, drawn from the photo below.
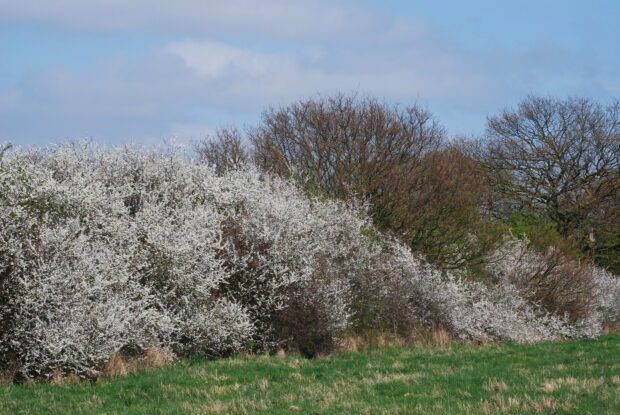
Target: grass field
(574, 377)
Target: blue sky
(153, 70)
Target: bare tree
(425, 191)
(559, 158)
(345, 144)
(225, 150)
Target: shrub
(549, 279)
(608, 297)
(108, 252)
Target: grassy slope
(572, 377)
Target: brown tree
(224, 150)
(345, 144)
(425, 191)
(560, 159)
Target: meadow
(577, 377)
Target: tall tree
(397, 158)
(560, 158)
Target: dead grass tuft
(575, 385)
(495, 385)
(156, 357)
(115, 367)
(6, 378)
(397, 365)
(441, 338)
(58, 378)
(263, 384)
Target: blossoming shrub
(588, 296)
(469, 310)
(608, 297)
(106, 251)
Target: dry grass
(436, 338)
(440, 338)
(513, 404)
(115, 367)
(6, 377)
(118, 365)
(156, 357)
(495, 385)
(572, 384)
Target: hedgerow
(117, 250)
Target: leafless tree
(345, 144)
(560, 158)
(225, 150)
(419, 187)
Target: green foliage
(541, 232)
(605, 251)
(569, 377)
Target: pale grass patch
(91, 403)
(503, 405)
(389, 340)
(219, 390)
(296, 376)
(289, 397)
(548, 387)
(436, 392)
(116, 366)
(495, 385)
(185, 392)
(58, 378)
(263, 384)
(397, 365)
(294, 364)
(6, 378)
(156, 357)
(511, 404)
(356, 343)
(382, 378)
(260, 405)
(615, 380)
(219, 407)
(445, 371)
(351, 343)
(574, 384)
(545, 405)
(591, 384)
(441, 338)
(236, 361)
(464, 393)
(464, 407)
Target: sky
(152, 71)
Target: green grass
(573, 377)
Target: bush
(607, 297)
(106, 252)
(549, 279)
